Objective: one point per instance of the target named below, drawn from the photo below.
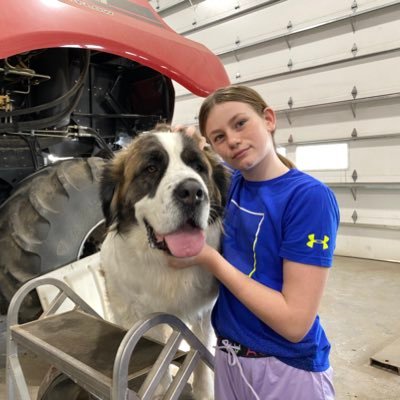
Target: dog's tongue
(186, 242)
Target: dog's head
(164, 184)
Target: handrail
(23, 291)
(140, 328)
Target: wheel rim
(93, 240)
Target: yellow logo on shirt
(312, 241)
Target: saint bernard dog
(163, 195)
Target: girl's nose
(233, 139)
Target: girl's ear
(270, 118)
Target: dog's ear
(110, 181)
(222, 177)
(221, 174)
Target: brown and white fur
(159, 184)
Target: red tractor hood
(128, 28)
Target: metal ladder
(99, 356)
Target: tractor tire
(46, 223)
(55, 386)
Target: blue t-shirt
(293, 217)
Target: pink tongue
(185, 243)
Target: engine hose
(44, 122)
(57, 101)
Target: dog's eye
(199, 167)
(151, 169)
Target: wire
(51, 104)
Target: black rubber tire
(56, 386)
(44, 223)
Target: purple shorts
(269, 378)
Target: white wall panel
(377, 29)
(318, 48)
(180, 90)
(372, 118)
(159, 5)
(374, 32)
(368, 205)
(186, 110)
(376, 160)
(256, 47)
(371, 243)
(365, 4)
(268, 22)
(327, 85)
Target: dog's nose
(190, 192)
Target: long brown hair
(242, 94)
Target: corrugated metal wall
(331, 69)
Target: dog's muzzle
(188, 238)
(190, 193)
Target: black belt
(239, 349)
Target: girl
(280, 229)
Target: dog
(163, 195)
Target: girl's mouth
(240, 154)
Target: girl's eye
(218, 138)
(240, 123)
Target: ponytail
(286, 161)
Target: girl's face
(243, 138)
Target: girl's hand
(191, 131)
(202, 259)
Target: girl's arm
(291, 312)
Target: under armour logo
(312, 241)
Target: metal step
(103, 358)
(85, 347)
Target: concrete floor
(360, 312)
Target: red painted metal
(128, 28)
